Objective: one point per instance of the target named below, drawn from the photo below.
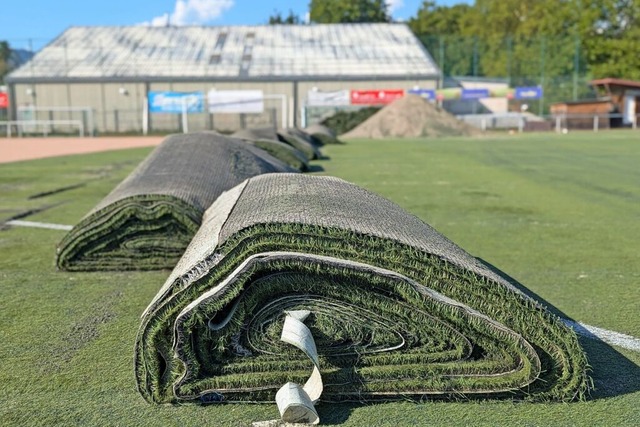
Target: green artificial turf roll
(300, 141)
(148, 220)
(323, 134)
(264, 132)
(267, 139)
(397, 310)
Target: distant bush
(344, 121)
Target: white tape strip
(19, 223)
(295, 403)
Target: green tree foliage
(433, 20)
(533, 41)
(526, 38)
(611, 40)
(343, 121)
(441, 29)
(278, 19)
(348, 11)
(5, 53)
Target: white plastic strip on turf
(610, 337)
(296, 403)
(20, 223)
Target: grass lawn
(560, 213)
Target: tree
(348, 11)
(291, 19)
(532, 38)
(5, 54)
(441, 30)
(610, 38)
(433, 20)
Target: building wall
(118, 107)
(109, 107)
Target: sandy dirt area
(16, 149)
(411, 117)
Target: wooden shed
(617, 104)
(585, 114)
(624, 94)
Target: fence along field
(556, 213)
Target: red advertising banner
(375, 96)
(4, 100)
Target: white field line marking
(20, 223)
(610, 337)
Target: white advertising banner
(316, 98)
(236, 101)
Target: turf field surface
(559, 213)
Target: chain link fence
(558, 64)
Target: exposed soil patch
(24, 214)
(83, 331)
(56, 191)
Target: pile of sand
(411, 116)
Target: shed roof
(615, 82)
(267, 52)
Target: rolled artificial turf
(267, 139)
(323, 134)
(397, 310)
(148, 220)
(264, 132)
(300, 141)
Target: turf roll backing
(300, 141)
(148, 220)
(397, 310)
(267, 140)
(323, 134)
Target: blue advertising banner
(474, 93)
(530, 92)
(429, 94)
(176, 102)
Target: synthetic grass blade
(148, 220)
(397, 310)
(267, 139)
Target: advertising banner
(530, 92)
(375, 96)
(4, 100)
(429, 94)
(474, 93)
(448, 93)
(316, 98)
(236, 101)
(176, 102)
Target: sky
(34, 23)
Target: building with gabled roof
(112, 69)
